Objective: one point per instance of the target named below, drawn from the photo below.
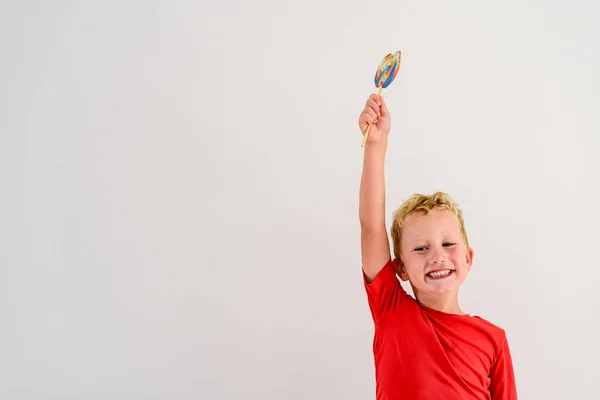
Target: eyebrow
(444, 238)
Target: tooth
(438, 274)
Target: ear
(469, 258)
(400, 270)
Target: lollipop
(386, 73)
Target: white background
(178, 215)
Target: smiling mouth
(439, 274)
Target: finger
(372, 104)
(372, 113)
(376, 98)
(366, 119)
(384, 110)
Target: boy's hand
(376, 113)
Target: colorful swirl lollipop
(386, 73)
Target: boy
(424, 348)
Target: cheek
(413, 265)
(458, 257)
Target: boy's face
(434, 256)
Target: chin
(441, 290)
(442, 286)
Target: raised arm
(375, 248)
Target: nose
(437, 256)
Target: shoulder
(486, 323)
(495, 332)
(496, 337)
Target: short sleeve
(384, 293)
(502, 385)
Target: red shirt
(421, 353)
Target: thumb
(383, 107)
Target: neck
(446, 302)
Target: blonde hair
(424, 204)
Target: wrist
(381, 144)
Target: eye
(449, 244)
(422, 248)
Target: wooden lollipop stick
(366, 135)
